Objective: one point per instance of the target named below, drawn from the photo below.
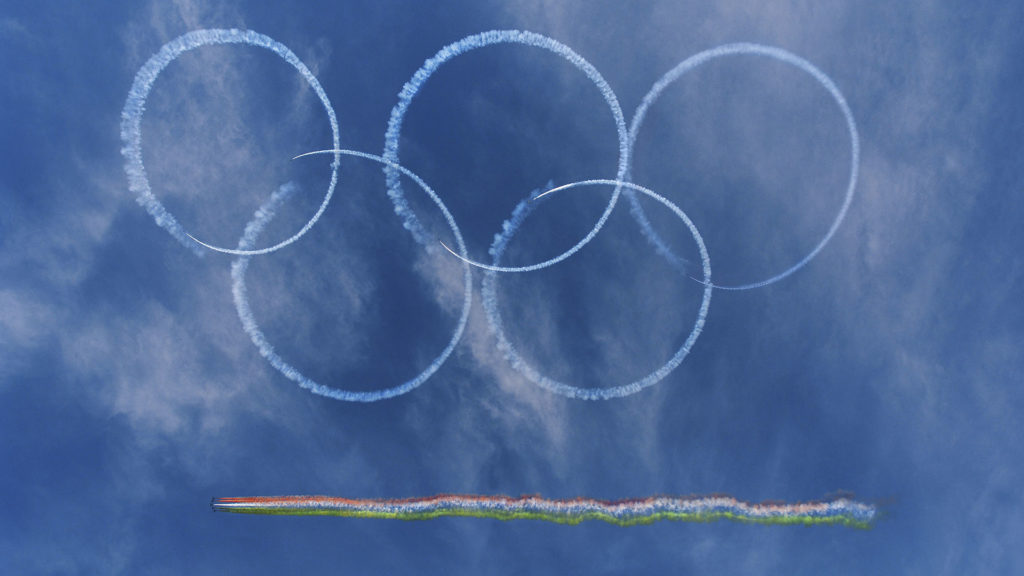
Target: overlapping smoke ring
(135, 105)
(138, 182)
(238, 268)
(490, 301)
(757, 50)
(469, 43)
(623, 512)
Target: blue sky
(130, 395)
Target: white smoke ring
(135, 105)
(490, 303)
(239, 266)
(783, 56)
(469, 43)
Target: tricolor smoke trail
(841, 511)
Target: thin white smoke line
(783, 56)
(239, 266)
(412, 87)
(454, 253)
(134, 107)
(490, 302)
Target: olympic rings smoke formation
(840, 511)
(131, 135)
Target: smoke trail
(412, 87)
(238, 268)
(490, 301)
(131, 127)
(753, 49)
(841, 511)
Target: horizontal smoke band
(623, 512)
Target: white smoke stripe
(412, 87)
(752, 49)
(134, 107)
(490, 302)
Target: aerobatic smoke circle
(238, 269)
(131, 127)
(783, 56)
(412, 87)
(490, 301)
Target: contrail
(841, 511)
(753, 49)
(490, 300)
(134, 107)
(412, 87)
(238, 268)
